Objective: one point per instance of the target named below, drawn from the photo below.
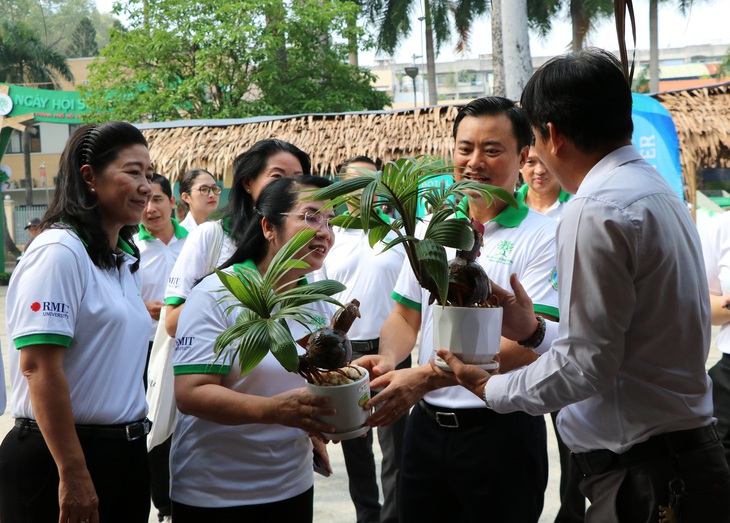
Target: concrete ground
(331, 497)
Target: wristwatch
(536, 339)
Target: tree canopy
(53, 21)
(83, 40)
(229, 59)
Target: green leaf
(433, 256)
(283, 347)
(377, 234)
(457, 234)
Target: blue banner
(655, 136)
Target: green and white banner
(44, 105)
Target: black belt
(365, 346)
(456, 418)
(130, 432)
(659, 446)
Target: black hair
(164, 184)
(74, 205)
(585, 96)
(358, 159)
(248, 166)
(495, 106)
(188, 179)
(276, 198)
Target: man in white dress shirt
(627, 363)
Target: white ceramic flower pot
(348, 400)
(471, 333)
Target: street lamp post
(412, 71)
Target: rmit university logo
(56, 309)
(184, 343)
(173, 281)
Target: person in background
(160, 240)
(542, 193)
(626, 363)
(32, 228)
(541, 190)
(452, 438)
(716, 250)
(264, 162)
(181, 211)
(201, 194)
(241, 449)
(369, 275)
(79, 332)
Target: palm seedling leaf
(433, 257)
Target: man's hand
(376, 364)
(401, 389)
(518, 321)
(470, 377)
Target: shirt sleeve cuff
(551, 333)
(42, 339)
(174, 300)
(495, 393)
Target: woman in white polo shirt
(79, 330)
(213, 242)
(240, 449)
(199, 190)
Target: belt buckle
(447, 420)
(137, 430)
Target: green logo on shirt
(501, 255)
(554, 278)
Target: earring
(92, 189)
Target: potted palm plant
(468, 318)
(263, 310)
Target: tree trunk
(497, 49)
(653, 46)
(9, 243)
(579, 23)
(352, 41)
(515, 48)
(26, 164)
(433, 98)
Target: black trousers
(633, 493)
(572, 500)
(493, 468)
(361, 472)
(298, 509)
(29, 478)
(720, 374)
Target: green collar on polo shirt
(562, 197)
(510, 217)
(251, 265)
(180, 232)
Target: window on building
(15, 146)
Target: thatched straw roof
(702, 117)
(329, 139)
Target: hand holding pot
(402, 389)
(471, 377)
(376, 364)
(296, 408)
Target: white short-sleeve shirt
(520, 241)
(189, 222)
(58, 296)
(157, 259)
(242, 464)
(191, 263)
(369, 274)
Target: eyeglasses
(313, 220)
(205, 190)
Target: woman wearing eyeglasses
(212, 243)
(240, 449)
(199, 190)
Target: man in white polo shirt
(470, 459)
(160, 240)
